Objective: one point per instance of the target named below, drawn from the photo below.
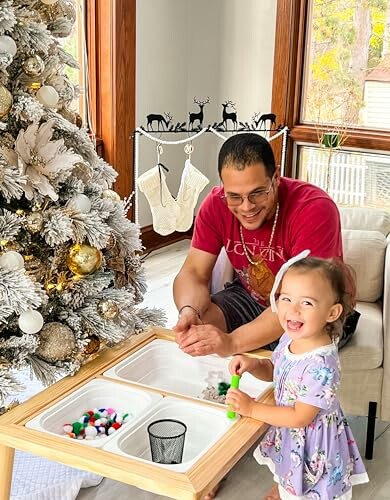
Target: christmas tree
(70, 269)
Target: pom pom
(110, 431)
(68, 428)
(77, 426)
(90, 431)
(116, 425)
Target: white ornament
(11, 261)
(7, 45)
(48, 2)
(48, 96)
(30, 321)
(80, 203)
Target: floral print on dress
(319, 461)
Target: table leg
(7, 461)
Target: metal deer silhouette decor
(193, 117)
(230, 123)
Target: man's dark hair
(242, 150)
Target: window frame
(290, 38)
(111, 49)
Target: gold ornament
(33, 66)
(35, 85)
(58, 283)
(93, 345)
(33, 222)
(34, 267)
(11, 245)
(56, 342)
(107, 308)
(83, 259)
(5, 101)
(20, 212)
(111, 195)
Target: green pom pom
(77, 427)
(223, 387)
(96, 416)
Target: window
(332, 80)
(74, 44)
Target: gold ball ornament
(33, 222)
(33, 66)
(93, 345)
(83, 259)
(56, 342)
(5, 101)
(107, 308)
(111, 195)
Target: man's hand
(200, 340)
(240, 402)
(186, 319)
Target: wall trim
(152, 240)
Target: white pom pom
(67, 428)
(111, 430)
(90, 432)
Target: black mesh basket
(167, 441)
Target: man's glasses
(255, 197)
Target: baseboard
(152, 240)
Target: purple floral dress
(320, 461)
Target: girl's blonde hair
(341, 278)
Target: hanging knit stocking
(162, 204)
(191, 185)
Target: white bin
(162, 365)
(98, 393)
(205, 426)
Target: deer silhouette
(264, 118)
(229, 116)
(199, 115)
(159, 119)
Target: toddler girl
(309, 447)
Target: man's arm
(207, 339)
(191, 288)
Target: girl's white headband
(280, 274)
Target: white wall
(222, 49)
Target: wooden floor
(247, 480)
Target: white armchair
(365, 360)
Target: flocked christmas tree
(70, 271)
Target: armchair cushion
(365, 251)
(365, 349)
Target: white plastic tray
(205, 426)
(162, 365)
(98, 393)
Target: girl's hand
(241, 364)
(240, 402)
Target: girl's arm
(299, 415)
(260, 368)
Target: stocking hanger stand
(139, 131)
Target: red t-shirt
(308, 219)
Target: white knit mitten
(162, 204)
(191, 185)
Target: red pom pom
(116, 425)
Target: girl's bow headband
(281, 273)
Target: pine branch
(8, 384)
(10, 225)
(18, 293)
(90, 226)
(57, 228)
(7, 16)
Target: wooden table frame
(193, 484)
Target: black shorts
(238, 307)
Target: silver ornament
(33, 66)
(33, 222)
(56, 342)
(108, 309)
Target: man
(262, 219)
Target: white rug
(36, 478)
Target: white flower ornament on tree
(43, 160)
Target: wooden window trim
(288, 81)
(111, 70)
